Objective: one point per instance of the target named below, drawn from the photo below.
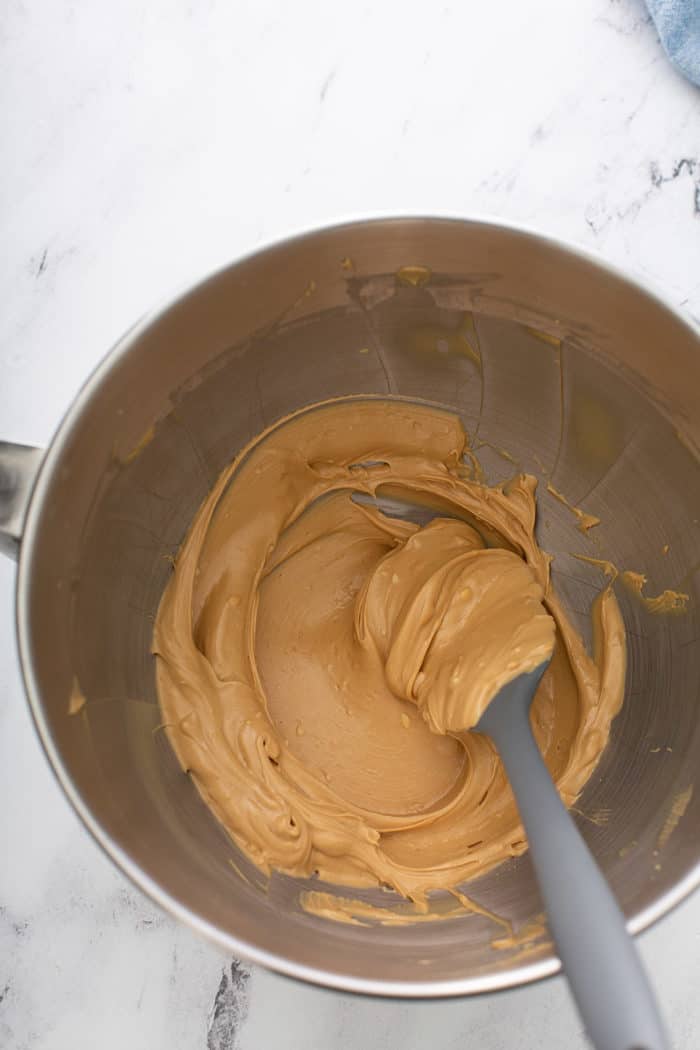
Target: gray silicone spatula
(605, 973)
(606, 976)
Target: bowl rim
(424, 989)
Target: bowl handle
(19, 466)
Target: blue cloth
(678, 25)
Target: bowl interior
(576, 380)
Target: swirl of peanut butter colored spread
(318, 661)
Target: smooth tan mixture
(319, 662)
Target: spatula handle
(604, 970)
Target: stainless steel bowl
(587, 378)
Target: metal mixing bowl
(610, 415)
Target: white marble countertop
(145, 143)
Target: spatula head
(517, 694)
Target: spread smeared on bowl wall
(314, 655)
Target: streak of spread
(413, 275)
(678, 807)
(363, 913)
(76, 700)
(143, 442)
(528, 933)
(502, 452)
(585, 521)
(668, 601)
(454, 906)
(544, 337)
(318, 661)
